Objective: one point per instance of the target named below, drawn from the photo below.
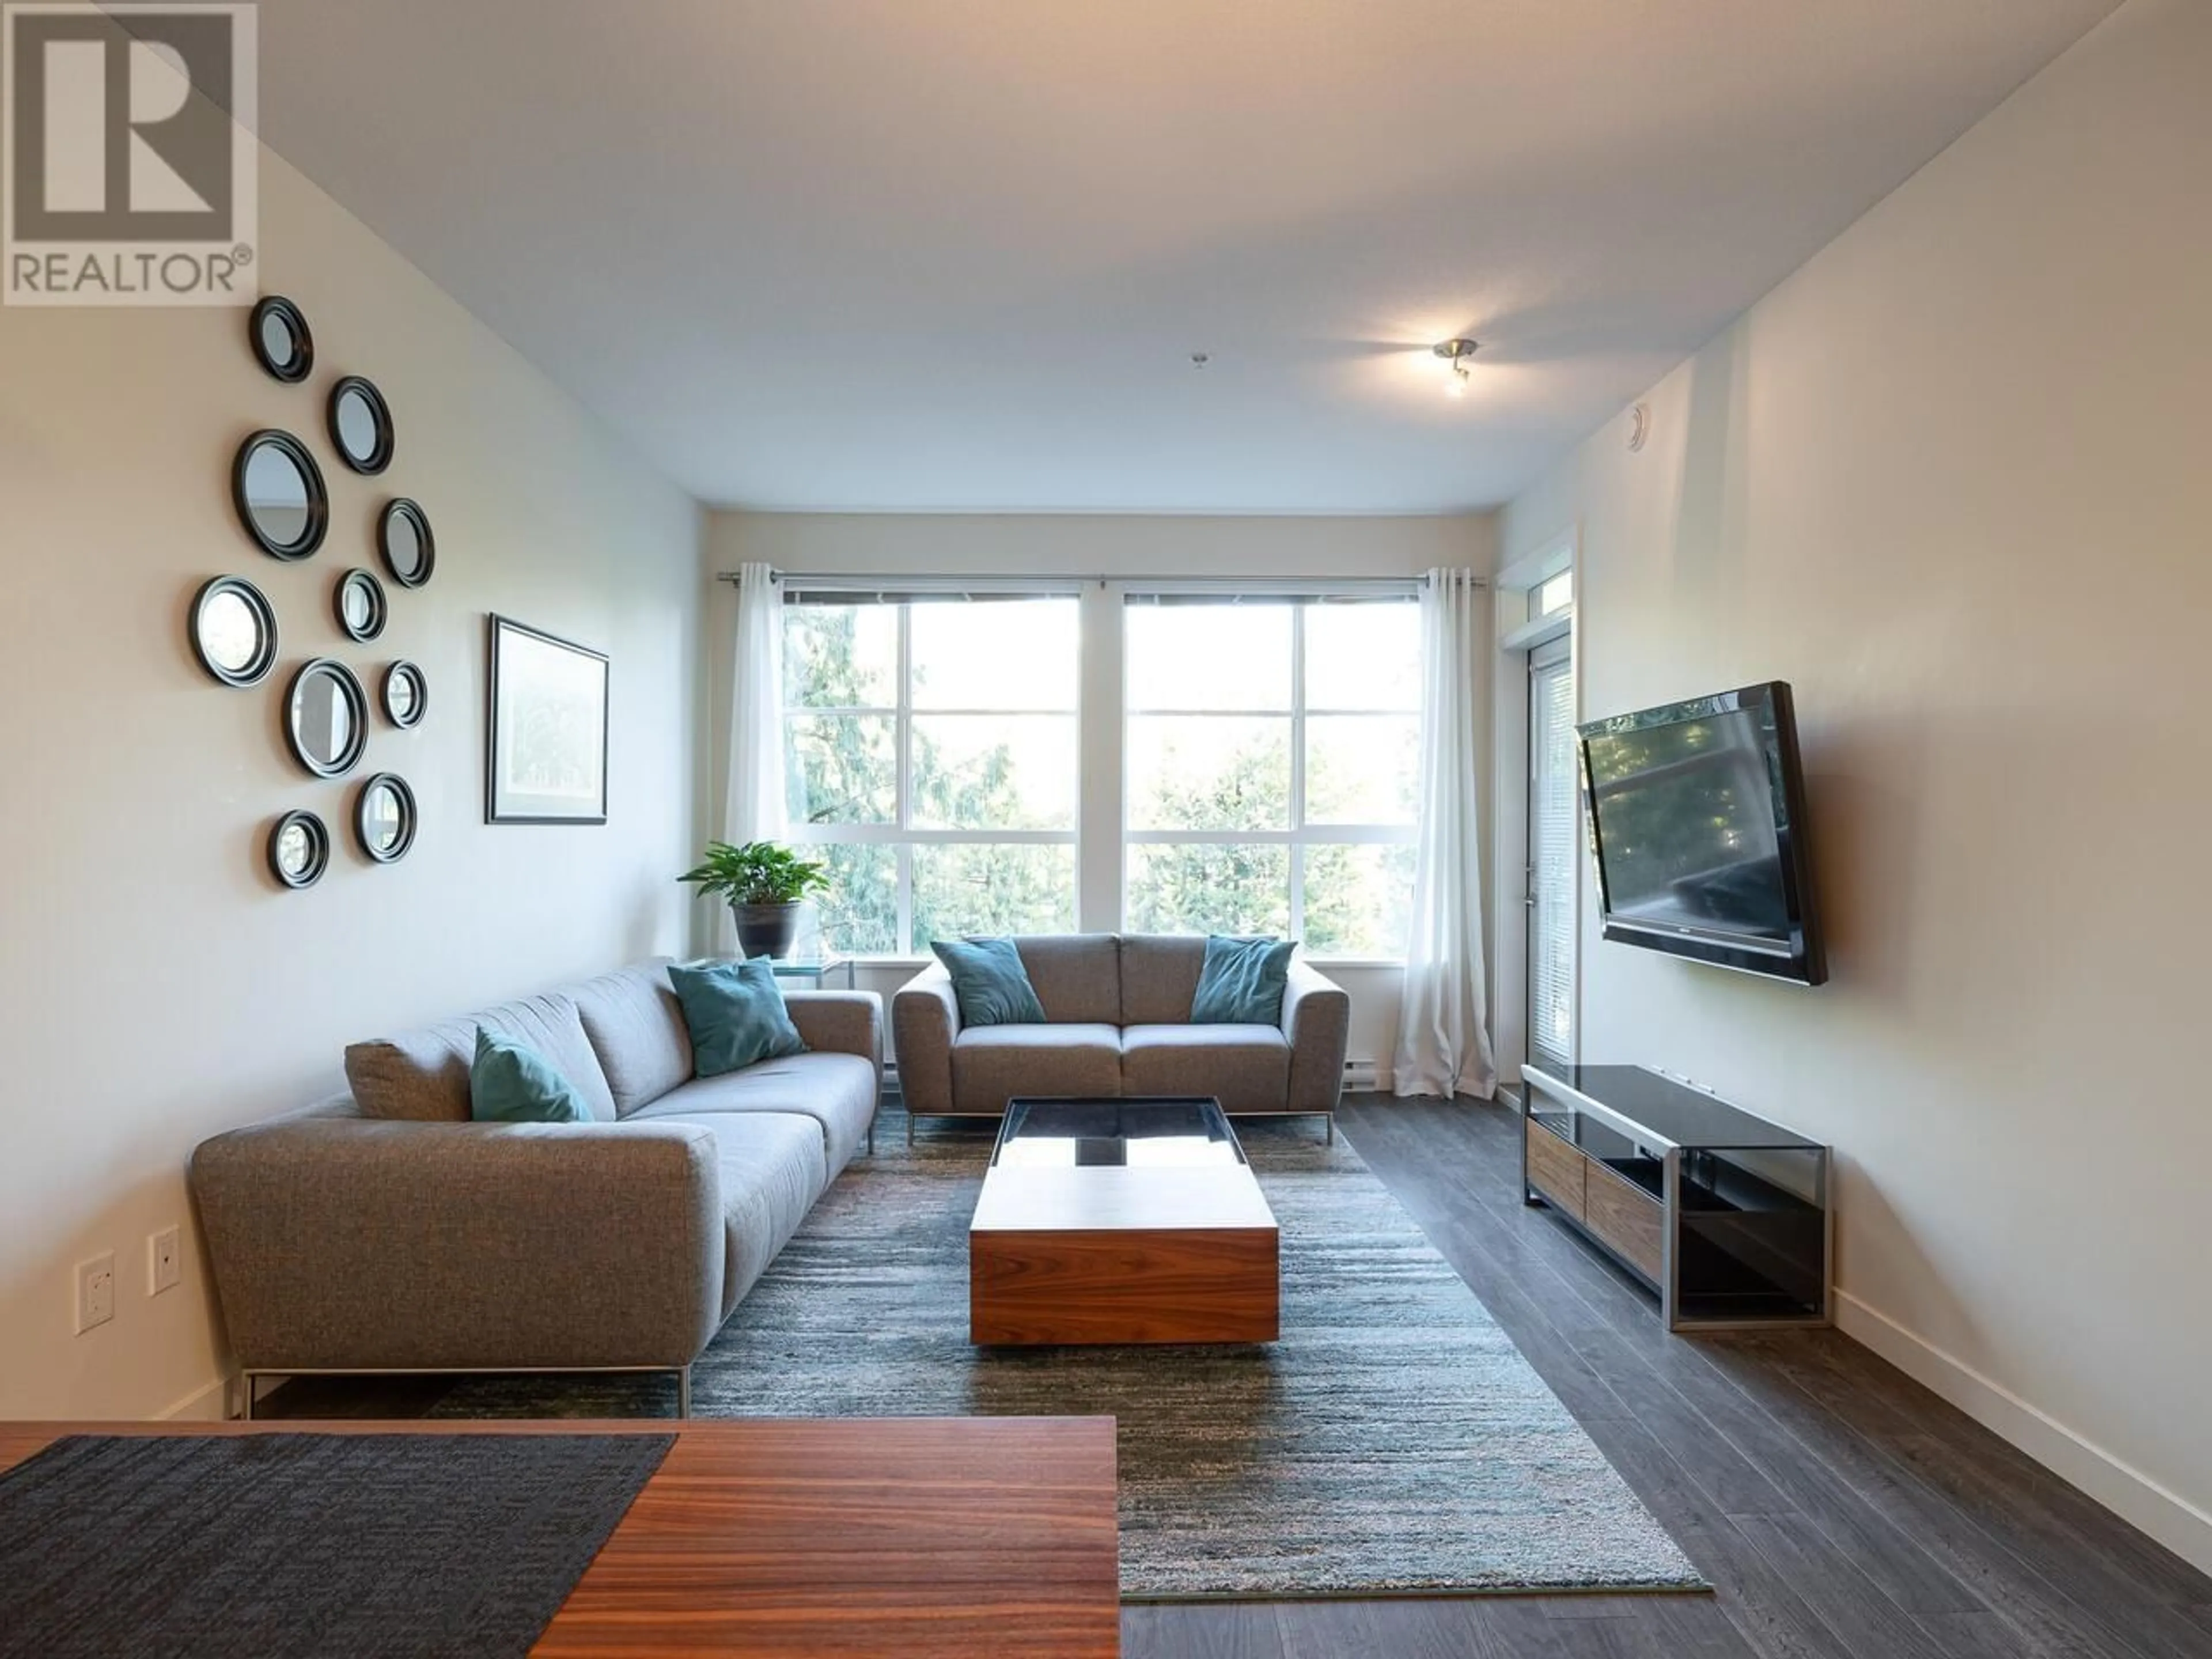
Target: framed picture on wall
(545, 751)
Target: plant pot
(765, 930)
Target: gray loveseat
(1117, 1012)
(384, 1231)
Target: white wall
(155, 985)
(970, 545)
(1950, 481)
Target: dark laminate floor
(1841, 1510)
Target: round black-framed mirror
(361, 424)
(383, 818)
(358, 604)
(406, 694)
(326, 718)
(403, 539)
(281, 339)
(299, 849)
(233, 631)
(279, 491)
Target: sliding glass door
(1553, 819)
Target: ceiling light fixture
(1456, 352)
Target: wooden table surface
(915, 1536)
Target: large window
(1267, 765)
(931, 756)
(1271, 758)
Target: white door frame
(1554, 652)
(1517, 637)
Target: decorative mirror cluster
(281, 339)
(383, 818)
(279, 492)
(299, 849)
(402, 536)
(360, 606)
(405, 695)
(284, 505)
(233, 631)
(361, 424)
(326, 718)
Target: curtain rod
(875, 580)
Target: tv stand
(1724, 1216)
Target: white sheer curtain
(753, 807)
(1443, 1041)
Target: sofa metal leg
(246, 1410)
(1330, 1119)
(683, 1391)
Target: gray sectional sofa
(1117, 1011)
(383, 1230)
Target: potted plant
(763, 884)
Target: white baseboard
(2129, 1493)
(208, 1403)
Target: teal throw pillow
(512, 1083)
(1241, 981)
(736, 1013)
(989, 981)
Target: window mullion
(1297, 718)
(903, 851)
(903, 738)
(1297, 896)
(1100, 739)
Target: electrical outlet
(163, 1270)
(95, 1291)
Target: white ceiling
(957, 254)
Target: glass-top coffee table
(1121, 1221)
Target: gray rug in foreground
(296, 1545)
(1393, 1441)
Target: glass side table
(814, 966)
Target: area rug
(1393, 1441)
(289, 1546)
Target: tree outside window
(930, 753)
(1271, 753)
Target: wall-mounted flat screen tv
(1696, 815)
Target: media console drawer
(1556, 1169)
(1627, 1218)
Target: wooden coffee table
(1121, 1221)
(907, 1536)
